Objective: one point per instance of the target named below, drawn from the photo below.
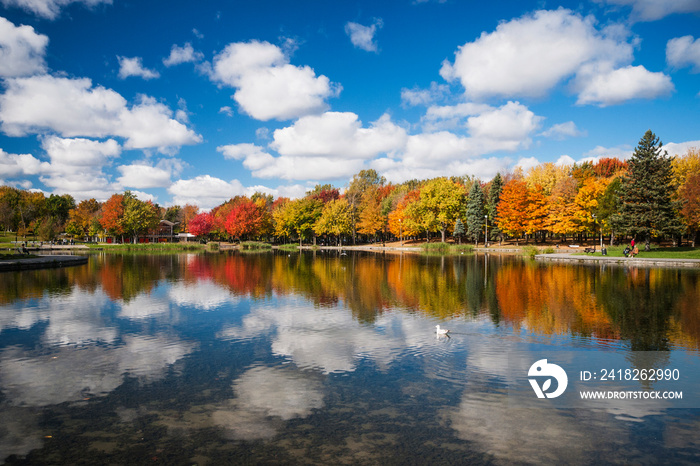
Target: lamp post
(401, 231)
(486, 235)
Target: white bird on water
(441, 331)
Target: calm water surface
(319, 358)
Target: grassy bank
(685, 252)
(288, 247)
(255, 245)
(532, 251)
(148, 247)
(446, 248)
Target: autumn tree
(112, 212)
(247, 218)
(358, 185)
(335, 219)
(562, 208)
(535, 215)
(648, 207)
(81, 218)
(401, 223)
(608, 167)
(9, 214)
(690, 200)
(187, 213)
(587, 201)
(370, 219)
(139, 216)
(201, 224)
(513, 203)
(441, 202)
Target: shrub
(530, 251)
(255, 245)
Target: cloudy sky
(195, 102)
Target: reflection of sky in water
(307, 380)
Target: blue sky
(195, 102)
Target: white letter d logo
(542, 369)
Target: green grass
(685, 252)
(288, 247)
(148, 247)
(251, 245)
(531, 251)
(446, 248)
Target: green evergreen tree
(492, 205)
(647, 204)
(475, 212)
(459, 231)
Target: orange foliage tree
(112, 212)
(511, 208)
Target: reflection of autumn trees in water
(651, 308)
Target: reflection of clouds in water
(74, 318)
(204, 294)
(144, 306)
(513, 433)
(149, 357)
(68, 374)
(276, 392)
(72, 373)
(330, 339)
(19, 431)
(264, 397)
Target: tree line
(650, 195)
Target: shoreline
(624, 261)
(42, 262)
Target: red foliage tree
(244, 219)
(607, 167)
(201, 224)
(112, 214)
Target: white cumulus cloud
(562, 131)
(620, 85)
(73, 107)
(13, 165)
(143, 175)
(531, 55)
(361, 36)
(22, 50)
(134, 67)
(184, 54)
(651, 10)
(267, 86)
(684, 51)
(341, 135)
(50, 9)
(76, 166)
(205, 191)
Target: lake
(329, 358)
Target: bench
(589, 250)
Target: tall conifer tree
(647, 206)
(475, 212)
(492, 205)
